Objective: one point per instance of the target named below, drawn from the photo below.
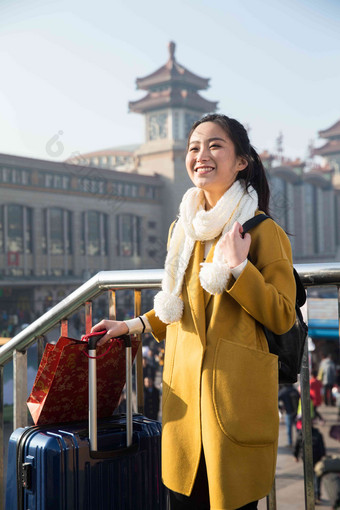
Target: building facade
(60, 223)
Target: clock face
(157, 126)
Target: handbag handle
(93, 338)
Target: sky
(69, 68)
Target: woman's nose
(203, 154)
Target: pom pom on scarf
(168, 307)
(214, 276)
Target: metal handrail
(318, 274)
(310, 274)
(104, 280)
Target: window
(15, 176)
(91, 185)
(94, 237)
(15, 241)
(1, 229)
(29, 225)
(57, 234)
(129, 239)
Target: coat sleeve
(266, 288)
(158, 327)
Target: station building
(60, 223)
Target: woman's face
(211, 161)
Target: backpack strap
(253, 222)
(300, 290)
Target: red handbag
(60, 389)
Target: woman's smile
(204, 170)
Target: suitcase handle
(93, 426)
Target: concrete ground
(289, 473)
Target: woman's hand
(113, 329)
(235, 248)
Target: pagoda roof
(172, 97)
(172, 72)
(331, 132)
(331, 147)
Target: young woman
(220, 383)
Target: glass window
(6, 175)
(129, 240)
(1, 228)
(15, 228)
(101, 187)
(66, 182)
(93, 221)
(56, 231)
(68, 233)
(29, 227)
(57, 180)
(94, 236)
(25, 177)
(15, 176)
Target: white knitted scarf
(196, 224)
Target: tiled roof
(331, 132)
(172, 72)
(331, 147)
(174, 97)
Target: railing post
(64, 327)
(307, 432)
(139, 358)
(112, 305)
(271, 498)
(19, 389)
(40, 348)
(2, 480)
(88, 316)
(338, 289)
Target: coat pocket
(170, 348)
(245, 393)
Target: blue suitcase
(113, 466)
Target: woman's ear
(242, 164)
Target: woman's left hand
(234, 246)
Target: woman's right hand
(113, 329)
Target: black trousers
(199, 497)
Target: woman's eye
(214, 146)
(193, 149)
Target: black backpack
(289, 346)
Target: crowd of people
(324, 389)
(13, 321)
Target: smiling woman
(211, 161)
(220, 414)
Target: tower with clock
(171, 105)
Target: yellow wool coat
(220, 382)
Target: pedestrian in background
(151, 399)
(289, 398)
(327, 375)
(316, 394)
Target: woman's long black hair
(254, 174)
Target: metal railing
(112, 281)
